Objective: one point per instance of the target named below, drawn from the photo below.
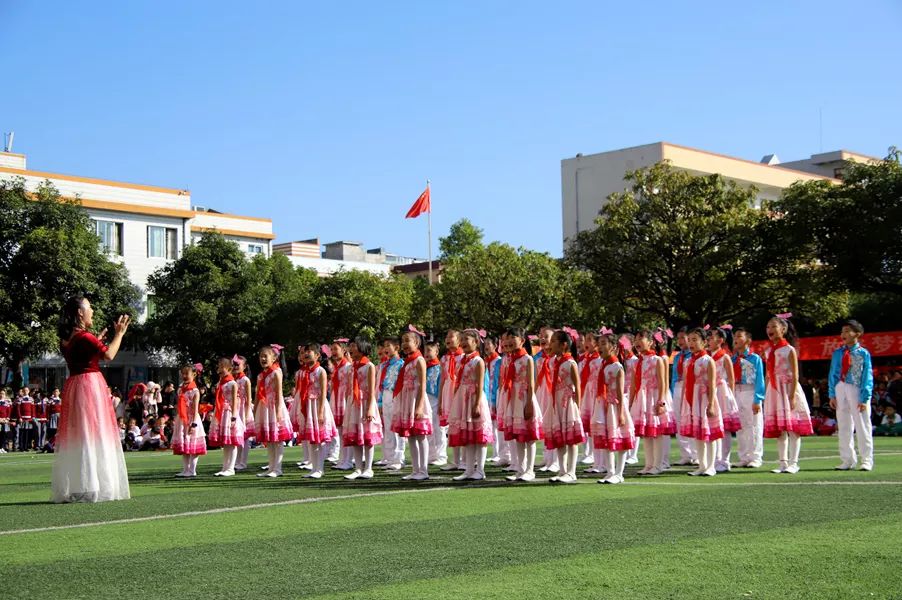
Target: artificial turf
(744, 534)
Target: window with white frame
(254, 249)
(110, 234)
(162, 242)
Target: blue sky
(329, 117)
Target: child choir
(593, 395)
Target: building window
(151, 305)
(254, 249)
(838, 172)
(110, 234)
(162, 242)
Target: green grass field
(745, 534)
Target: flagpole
(429, 221)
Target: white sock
(481, 452)
(649, 454)
(368, 452)
(562, 459)
(186, 464)
(278, 454)
(358, 458)
(414, 455)
(620, 461)
(192, 462)
(529, 462)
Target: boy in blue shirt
(748, 371)
(849, 387)
(392, 444)
(439, 440)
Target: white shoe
(643, 471)
(316, 475)
(755, 464)
(554, 479)
(408, 477)
(495, 460)
(654, 471)
(695, 473)
(438, 462)
(394, 467)
(632, 461)
(274, 474)
(613, 479)
(721, 468)
(513, 477)
(182, 474)
(217, 474)
(368, 474)
(792, 469)
(684, 462)
(380, 463)
(449, 467)
(266, 468)
(477, 476)
(592, 470)
(866, 468)
(743, 464)
(419, 476)
(229, 473)
(262, 474)
(554, 469)
(780, 469)
(528, 476)
(510, 469)
(844, 467)
(462, 476)
(566, 478)
(543, 469)
(354, 474)
(588, 459)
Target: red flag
(420, 206)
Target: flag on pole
(420, 206)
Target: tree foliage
(462, 237)
(855, 228)
(48, 252)
(680, 248)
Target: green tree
(461, 239)
(48, 252)
(679, 248)
(854, 229)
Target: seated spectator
(891, 423)
(828, 424)
(132, 436)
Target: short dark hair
(854, 326)
(363, 345)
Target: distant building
(144, 227)
(345, 255)
(588, 180)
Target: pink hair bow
(198, 367)
(625, 343)
(277, 348)
(236, 359)
(606, 331)
(572, 332)
(706, 327)
(481, 333)
(326, 351)
(341, 341)
(728, 327)
(785, 315)
(659, 337)
(415, 330)
(533, 338)
(669, 332)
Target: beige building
(588, 180)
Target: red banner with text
(882, 343)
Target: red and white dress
(268, 427)
(463, 428)
(341, 390)
(357, 429)
(544, 365)
(502, 395)
(450, 364)
(244, 403)
(307, 397)
(88, 463)
(515, 384)
(609, 431)
(407, 391)
(779, 413)
(561, 420)
(729, 408)
(223, 430)
(186, 439)
(644, 409)
(697, 395)
(588, 379)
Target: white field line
(214, 511)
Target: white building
(338, 256)
(144, 227)
(588, 180)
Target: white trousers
(392, 444)
(438, 444)
(751, 436)
(848, 420)
(686, 445)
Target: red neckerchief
(491, 357)
(719, 354)
(220, 395)
(507, 378)
(261, 383)
(557, 367)
(451, 371)
(336, 381)
(183, 401)
(384, 372)
(463, 363)
(737, 364)
(690, 375)
(846, 363)
(602, 386)
(772, 361)
(432, 362)
(399, 382)
(545, 369)
(584, 372)
(680, 364)
(303, 389)
(637, 376)
(357, 396)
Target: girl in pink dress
(227, 426)
(412, 414)
(544, 363)
(88, 465)
(629, 361)
(188, 439)
(469, 418)
(362, 424)
(494, 363)
(651, 406)
(700, 414)
(589, 364)
(726, 398)
(340, 389)
(315, 424)
(272, 424)
(245, 408)
(612, 427)
(561, 420)
(450, 362)
(522, 416)
(786, 414)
